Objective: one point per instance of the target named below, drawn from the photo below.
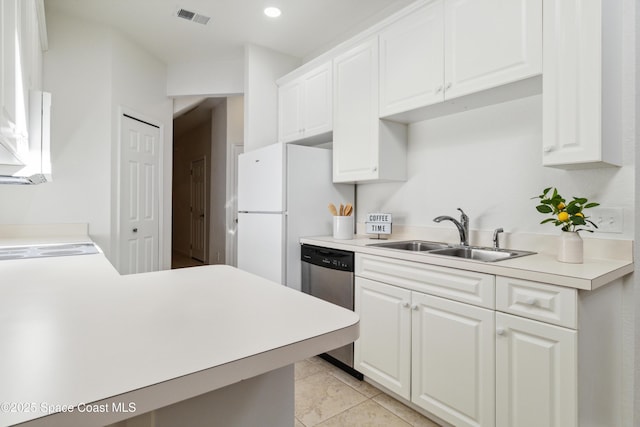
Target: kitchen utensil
(341, 209)
(332, 209)
(348, 209)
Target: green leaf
(572, 209)
(544, 209)
(577, 220)
(547, 220)
(591, 205)
(580, 200)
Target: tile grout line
(330, 371)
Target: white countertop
(72, 331)
(540, 267)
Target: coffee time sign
(378, 223)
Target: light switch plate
(608, 220)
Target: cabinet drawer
(459, 285)
(539, 301)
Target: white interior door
(139, 196)
(198, 209)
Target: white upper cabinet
(490, 42)
(449, 48)
(412, 60)
(582, 90)
(20, 71)
(12, 135)
(305, 106)
(365, 148)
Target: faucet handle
(463, 215)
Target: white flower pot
(570, 247)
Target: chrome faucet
(496, 241)
(463, 226)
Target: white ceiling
(305, 29)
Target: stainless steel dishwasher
(328, 275)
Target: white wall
(488, 162)
(218, 221)
(138, 84)
(235, 120)
(631, 363)
(262, 67)
(235, 142)
(206, 77)
(91, 71)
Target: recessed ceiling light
(272, 12)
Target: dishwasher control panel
(330, 258)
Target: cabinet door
(412, 60)
(355, 127)
(289, 111)
(536, 374)
(573, 89)
(453, 360)
(9, 62)
(317, 111)
(383, 351)
(490, 42)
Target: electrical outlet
(608, 220)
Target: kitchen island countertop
(74, 332)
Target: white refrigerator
(283, 194)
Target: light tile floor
(326, 396)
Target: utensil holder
(343, 227)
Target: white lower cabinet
(383, 351)
(474, 349)
(453, 360)
(536, 374)
(437, 353)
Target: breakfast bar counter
(83, 346)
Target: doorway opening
(205, 132)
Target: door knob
(135, 230)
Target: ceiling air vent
(192, 16)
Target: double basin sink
(477, 253)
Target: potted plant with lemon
(570, 217)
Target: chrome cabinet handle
(500, 331)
